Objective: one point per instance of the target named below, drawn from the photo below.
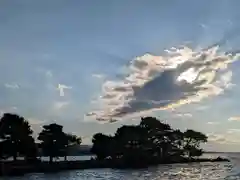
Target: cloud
(60, 105)
(223, 139)
(184, 115)
(201, 108)
(98, 76)
(181, 76)
(204, 26)
(61, 88)
(234, 118)
(14, 108)
(49, 73)
(212, 123)
(11, 85)
(35, 121)
(219, 138)
(231, 131)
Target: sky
(83, 63)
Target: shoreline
(20, 168)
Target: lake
(205, 171)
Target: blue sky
(77, 61)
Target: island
(149, 143)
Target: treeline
(17, 140)
(151, 140)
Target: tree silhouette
(53, 141)
(70, 140)
(16, 133)
(149, 141)
(192, 141)
(158, 135)
(101, 145)
(131, 143)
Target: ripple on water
(203, 171)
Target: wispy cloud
(98, 76)
(181, 76)
(35, 121)
(60, 105)
(204, 26)
(234, 118)
(14, 108)
(184, 115)
(223, 138)
(49, 73)
(11, 85)
(212, 123)
(201, 108)
(231, 131)
(62, 87)
(217, 138)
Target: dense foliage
(54, 142)
(150, 140)
(16, 139)
(16, 136)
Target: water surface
(205, 171)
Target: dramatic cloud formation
(234, 118)
(11, 85)
(61, 88)
(179, 77)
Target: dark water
(193, 171)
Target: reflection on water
(205, 171)
(69, 158)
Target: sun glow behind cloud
(180, 76)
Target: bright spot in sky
(190, 75)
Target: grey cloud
(161, 82)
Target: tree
(131, 143)
(153, 124)
(149, 142)
(70, 140)
(53, 141)
(16, 133)
(158, 135)
(192, 141)
(101, 145)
